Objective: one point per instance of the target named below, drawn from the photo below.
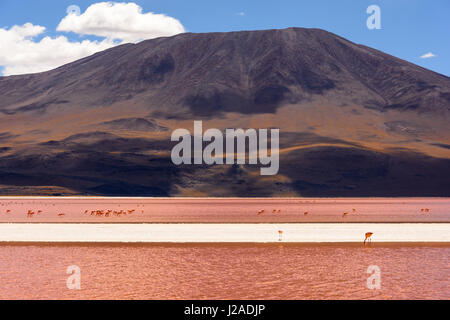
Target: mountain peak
(353, 120)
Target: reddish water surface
(122, 210)
(224, 271)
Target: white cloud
(21, 53)
(124, 21)
(241, 14)
(428, 55)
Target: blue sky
(410, 28)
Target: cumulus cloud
(21, 52)
(124, 21)
(428, 55)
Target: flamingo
(280, 235)
(344, 214)
(61, 214)
(427, 210)
(354, 210)
(279, 210)
(260, 212)
(368, 237)
(305, 213)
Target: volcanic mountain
(353, 121)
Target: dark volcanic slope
(354, 121)
(246, 72)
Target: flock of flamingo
(118, 213)
(107, 213)
(346, 213)
(97, 213)
(277, 211)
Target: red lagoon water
(224, 271)
(123, 210)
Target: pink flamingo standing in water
(368, 237)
